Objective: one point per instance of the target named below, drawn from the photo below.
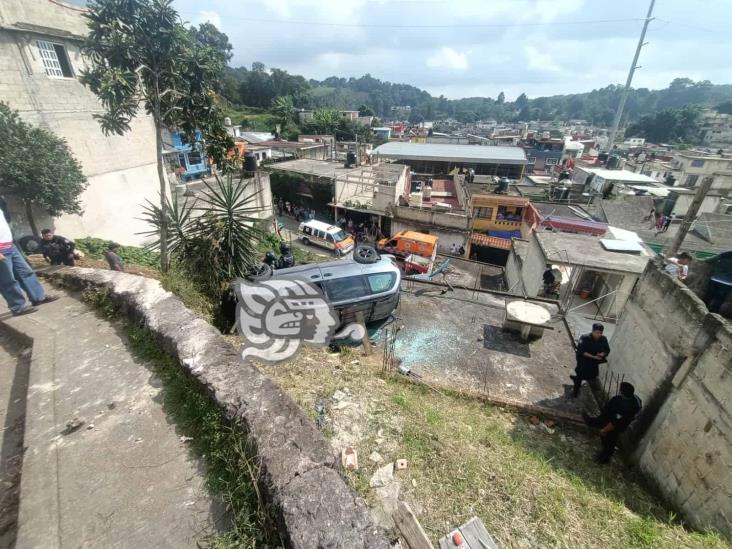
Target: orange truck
(407, 243)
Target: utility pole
(690, 216)
(631, 72)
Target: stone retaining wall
(315, 507)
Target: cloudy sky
(464, 48)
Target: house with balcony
(187, 159)
(495, 220)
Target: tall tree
(140, 54)
(37, 167)
(521, 101)
(365, 110)
(283, 110)
(501, 98)
(207, 35)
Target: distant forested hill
(259, 86)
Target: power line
(458, 26)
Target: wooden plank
(474, 532)
(410, 528)
(365, 341)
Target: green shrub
(94, 248)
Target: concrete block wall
(679, 357)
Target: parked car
(325, 235)
(368, 283)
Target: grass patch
(466, 458)
(231, 471)
(176, 281)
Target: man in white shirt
(16, 276)
(678, 266)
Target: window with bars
(55, 59)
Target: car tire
(260, 272)
(306, 241)
(30, 244)
(365, 255)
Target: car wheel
(30, 244)
(365, 254)
(305, 241)
(259, 272)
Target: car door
(384, 298)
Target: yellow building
(495, 220)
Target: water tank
(227, 121)
(250, 162)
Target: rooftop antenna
(633, 66)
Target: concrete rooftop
(578, 249)
(317, 168)
(476, 154)
(457, 340)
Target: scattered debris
(111, 406)
(410, 528)
(534, 420)
(457, 538)
(355, 362)
(550, 423)
(349, 459)
(90, 427)
(414, 482)
(184, 438)
(480, 338)
(383, 476)
(320, 420)
(546, 428)
(401, 464)
(341, 405)
(73, 425)
(339, 395)
(375, 457)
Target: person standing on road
(614, 419)
(667, 222)
(17, 277)
(453, 248)
(592, 350)
(57, 249)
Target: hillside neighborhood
(249, 309)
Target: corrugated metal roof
(477, 154)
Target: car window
(319, 234)
(306, 230)
(339, 236)
(350, 287)
(329, 237)
(380, 282)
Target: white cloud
(540, 60)
(448, 58)
(209, 17)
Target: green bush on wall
(94, 248)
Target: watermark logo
(276, 317)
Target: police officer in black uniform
(616, 415)
(592, 350)
(286, 258)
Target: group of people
(619, 412)
(300, 213)
(19, 284)
(360, 232)
(456, 249)
(285, 260)
(661, 221)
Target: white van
(325, 235)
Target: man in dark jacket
(57, 249)
(616, 415)
(592, 350)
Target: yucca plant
(213, 240)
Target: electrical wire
(404, 26)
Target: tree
(724, 108)
(141, 54)
(207, 35)
(365, 110)
(283, 109)
(37, 167)
(668, 125)
(501, 98)
(521, 101)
